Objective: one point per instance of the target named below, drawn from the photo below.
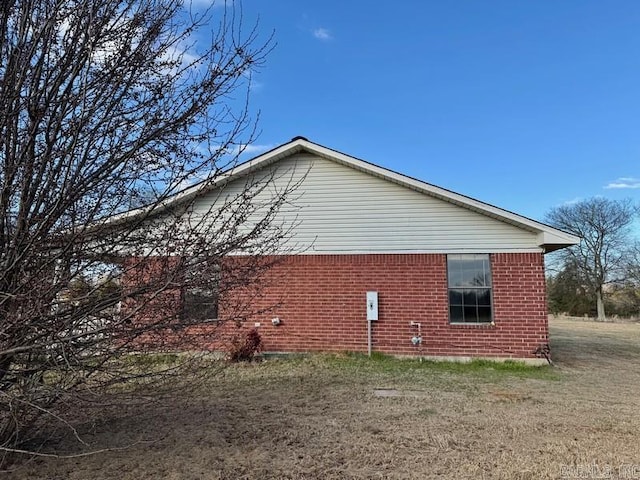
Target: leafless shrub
(108, 109)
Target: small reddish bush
(244, 347)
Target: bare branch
(114, 106)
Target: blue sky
(524, 105)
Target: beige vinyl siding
(338, 209)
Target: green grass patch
(150, 359)
(381, 363)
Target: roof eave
(552, 240)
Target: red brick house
(441, 274)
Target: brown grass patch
(318, 418)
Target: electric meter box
(372, 306)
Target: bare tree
(106, 105)
(604, 227)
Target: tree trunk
(600, 306)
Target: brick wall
(320, 300)
(323, 306)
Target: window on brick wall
(200, 290)
(469, 280)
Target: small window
(200, 291)
(200, 304)
(469, 279)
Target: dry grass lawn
(331, 417)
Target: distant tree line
(601, 275)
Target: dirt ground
(328, 417)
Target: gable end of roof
(549, 238)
